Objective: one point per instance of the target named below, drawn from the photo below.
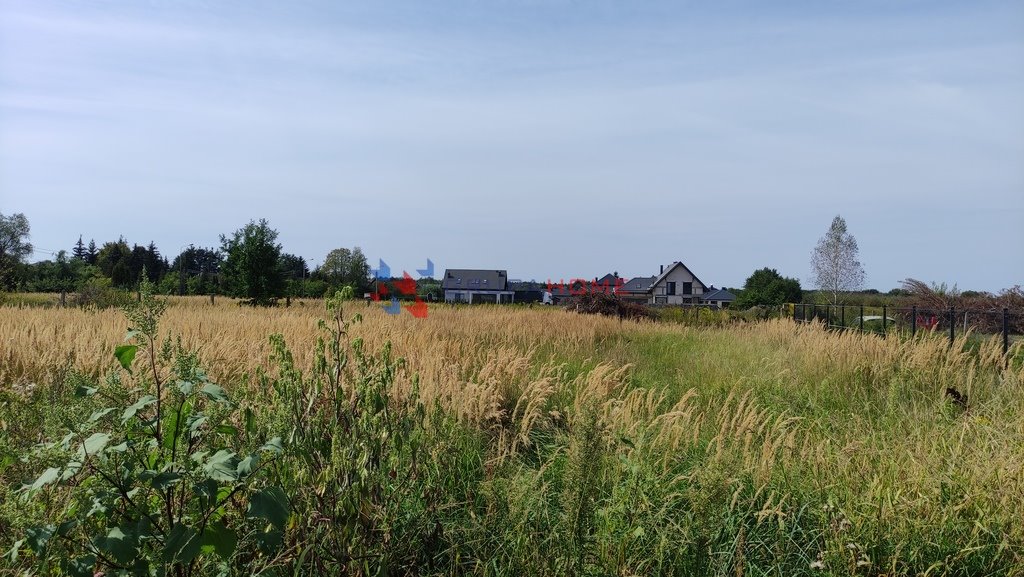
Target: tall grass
(571, 444)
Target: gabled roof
(474, 279)
(671, 268)
(718, 295)
(644, 283)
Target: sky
(554, 139)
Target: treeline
(249, 264)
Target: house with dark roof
(676, 285)
(463, 285)
(718, 298)
(526, 292)
(635, 289)
(563, 291)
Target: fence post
(1006, 331)
(952, 325)
(842, 316)
(913, 322)
(885, 319)
(861, 318)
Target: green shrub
(154, 480)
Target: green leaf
(64, 529)
(142, 403)
(222, 466)
(275, 445)
(172, 429)
(271, 505)
(250, 421)
(165, 480)
(125, 354)
(97, 415)
(12, 554)
(227, 429)
(246, 466)
(206, 490)
(195, 421)
(48, 476)
(72, 469)
(182, 545)
(219, 539)
(270, 540)
(185, 387)
(80, 567)
(85, 391)
(122, 546)
(65, 443)
(93, 445)
(38, 537)
(215, 393)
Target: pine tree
(156, 266)
(91, 252)
(79, 251)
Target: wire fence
(883, 320)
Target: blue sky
(554, 139)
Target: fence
(882, 320)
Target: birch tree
(835, 264)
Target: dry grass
(851, 418)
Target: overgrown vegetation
(542, 442)
(600, 303)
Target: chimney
(662, 269)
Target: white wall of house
(671, 290)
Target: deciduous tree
(767, 287)
(835, 263)
(346, 267)
(14, 245)
(252, 267)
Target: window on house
(687, 288)
(458, 280)
(671, 288)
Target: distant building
(676, 285)
(462, 285)
(636, 289)
(563, 291)
(529, 292)
(718, 298)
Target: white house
(462, 285)
(676, 285)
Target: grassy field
(550, 443)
